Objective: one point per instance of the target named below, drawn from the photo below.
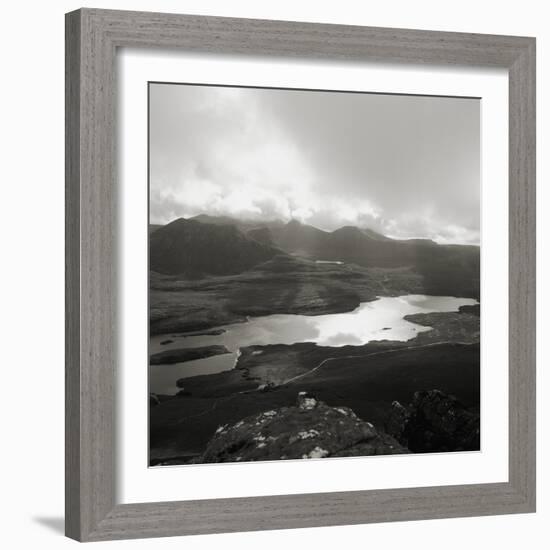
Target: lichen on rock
(311, 429)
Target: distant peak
(215, 220)
(178, 221)
(374, 234)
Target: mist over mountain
(243, 224)
(404, 166)
(262, 235)
(209, 245)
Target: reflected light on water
(381, 319)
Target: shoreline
(446, 326)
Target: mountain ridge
(196, 247)
(193, 248)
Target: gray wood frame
(92, 38)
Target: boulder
(437, 422)
(311, 429)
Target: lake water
(335, 262)
(381, 319)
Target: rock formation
(434, 422)
(311, 429)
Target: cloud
(406, 166)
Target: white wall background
(32, 210)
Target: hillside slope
(192, 248)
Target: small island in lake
(185, 354)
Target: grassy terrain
(282, 285)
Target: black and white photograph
(314, 274)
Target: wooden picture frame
(92, 39)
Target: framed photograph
(300, 275)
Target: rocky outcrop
(311, 429)
(434, 422)
(397, 420)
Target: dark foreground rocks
(311, 429)
(368, 385)
(185, 354)
(434, 422)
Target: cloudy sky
(403, 165)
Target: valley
(207, 273)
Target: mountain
(214, 245)
(261, 235)
(348, 244)
(153, 227)
(194, 248)
(446, 269)
(351, 244)
(298, 238)
(374, 235)
(215, 220)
